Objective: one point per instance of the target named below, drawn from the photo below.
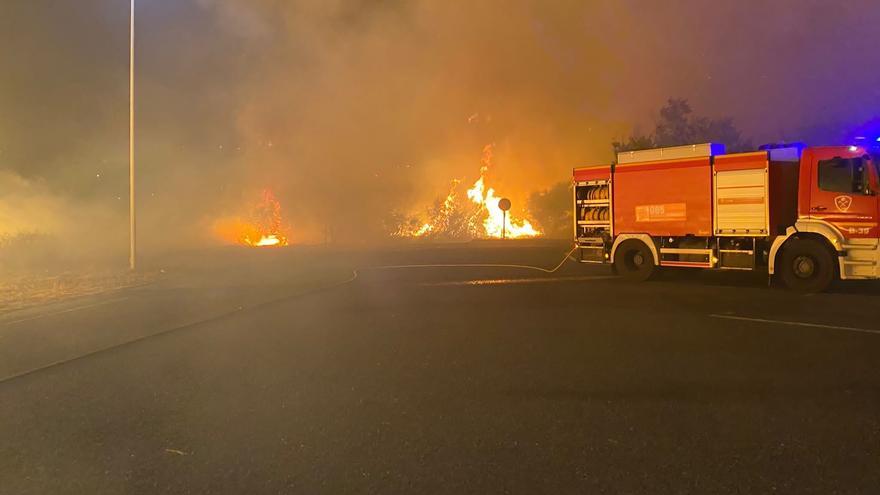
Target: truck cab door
(845, 192)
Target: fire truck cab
(804, 215)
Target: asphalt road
(281, 373)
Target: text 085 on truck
(805, 215)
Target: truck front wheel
(807, 266)
(634, 261)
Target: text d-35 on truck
(804, 215)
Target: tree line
(676, 125)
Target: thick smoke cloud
(353, 109)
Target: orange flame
(439, 221)
(494, 224)
(484, 216)
(263, 227)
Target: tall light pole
(132, 248)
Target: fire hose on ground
(476, 265)
(239, 310)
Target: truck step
(859, 262)
(860, 247)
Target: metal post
(504, 205)
(132, 253)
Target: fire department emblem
(843, 203)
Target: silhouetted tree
(552, 209)
(677, 126)
(634, 143)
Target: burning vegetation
(474, 215)
(263, 226)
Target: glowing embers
(268, 240)
(262, 227)
(493, 224)
(477, 217)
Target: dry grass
(33, 290)
(38, 268)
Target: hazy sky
(352, 109)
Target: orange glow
(494, 223)
(479, 217)
(263, 227)
(439, 222)
(268, 240)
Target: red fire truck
(804, 215)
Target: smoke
(40, 230)
(352, 110)
(375, 106)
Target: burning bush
(472, 216)
(263, 226)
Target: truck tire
(634, 261)
(807, 266)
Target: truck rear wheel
(807, 266)
(634, 261)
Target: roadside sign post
(505, 205)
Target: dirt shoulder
(32, 290)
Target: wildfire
(495, 219)
(268, 240)
(262, 227)
(479, 217)
(440, 218)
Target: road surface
(287, 374)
